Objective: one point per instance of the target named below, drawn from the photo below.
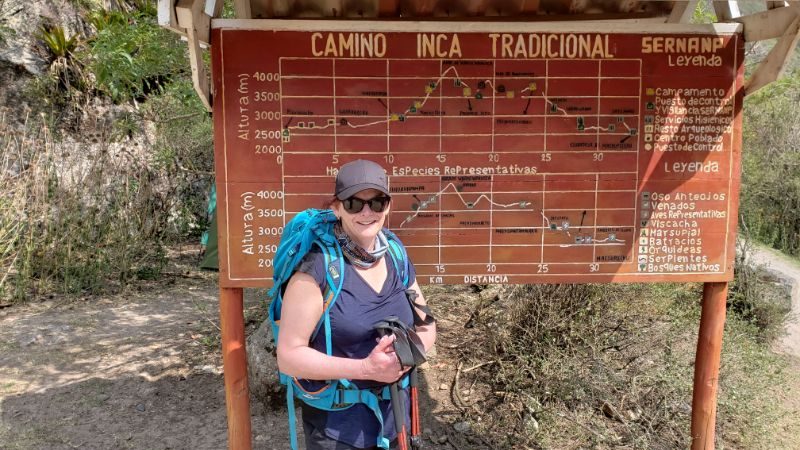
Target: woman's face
(364, 225)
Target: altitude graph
(598, 162)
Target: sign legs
(234, 361)
(706, 366)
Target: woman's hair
(329, 202)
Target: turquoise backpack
(309, 228)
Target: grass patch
(7, 387)
(611, 366)
(75, 224)
(131, 57)
(770, 197)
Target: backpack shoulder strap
(334, 280)
(399, 256)
(401, 265)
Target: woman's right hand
(382, 364)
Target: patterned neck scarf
(356, 254)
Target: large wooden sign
(515, 152)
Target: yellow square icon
(467, 92)
(395, 117)
(651, 91)
(428, 89)
(532, 87)
(418, 104)
(510, 94)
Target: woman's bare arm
(302, 309)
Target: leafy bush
(132, 58)
(770, 197)
(183, 147)
(128, 57)
(61, 90)
(59, 45)
(608, 366)
(755, 299)
(74, 221)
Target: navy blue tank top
(353, 315)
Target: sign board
(516, 153)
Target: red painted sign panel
(524, 156)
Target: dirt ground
(788, 270)
(142, 370)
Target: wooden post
(706, 366)
(234, 361)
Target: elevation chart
(591, 160)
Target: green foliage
(74, 223)
(610, 366)
(752, 376)
(125, 127)
(99, 222)
(131, 59)
(5, 30)
(755, 300)
(704, 13)
(184, 147)
(61, 90)
(770, 197)
(4, 33)
(57, 42)
(102, 19)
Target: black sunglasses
(354, 205)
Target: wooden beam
(198, 26)
(774, 64)
(213, 8)
(706, 365)
(234, 363)
(360, 9)
(768, 24)
(682, 11)
(726, 10)
(388, 8)
(646, 25)
(167, 17)
(775, 4)
(242, 9)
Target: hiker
(372, 290)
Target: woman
(372, 291)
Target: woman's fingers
(385, 343)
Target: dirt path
(139, 370)
(788, 270)
(142, 370)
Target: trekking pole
(416, 435)
(398, 406)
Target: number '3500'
(266, 96)
(270, 212)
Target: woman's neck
(369, 247)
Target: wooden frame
(195, 18)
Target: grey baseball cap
(358, 175)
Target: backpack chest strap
(347, 396)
